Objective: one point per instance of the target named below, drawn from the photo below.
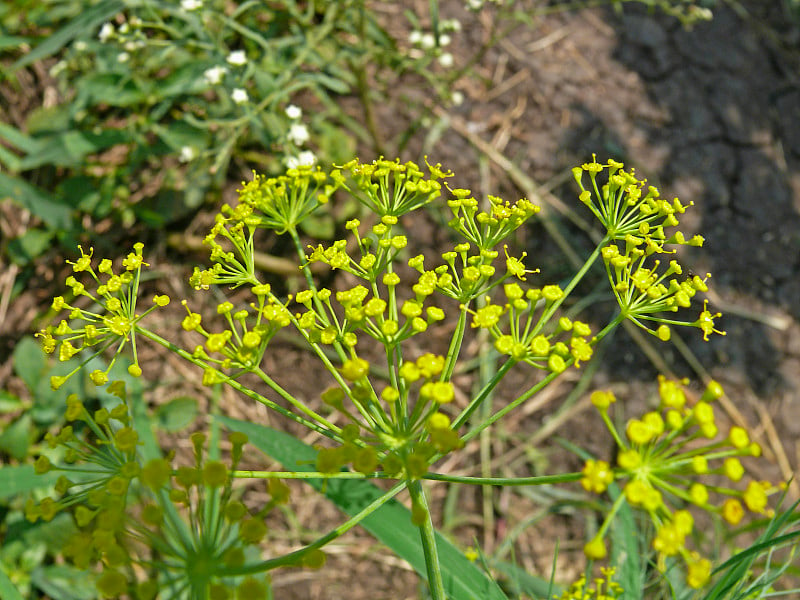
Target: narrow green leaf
(84, 23)
(21, 479)
(391, 524)
(7, 589)
(18, 139)
(54, 214)
(626, 549)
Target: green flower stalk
(670, 458)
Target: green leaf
(21, 479)
(111, 88)
(84, 23)
(30, 245)
(70, 147)
(18, 139)
(16, 438)
(526, 585)
(391, 524)
(29, 362)
(54, 214)
(627, 549)
(177, 413)
(62, 582)
(9, 402)
(7, 589)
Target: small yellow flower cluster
(465, 275)
(125, 509)
(526, 341)
(280, 203)
(392, 188)
(378, 250)
(112, 320)
(624, 211)
(642, 293)
(605, 588)
(243, 343)
(487, 229)
(663, 458)
(635, 224)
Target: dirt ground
(710, 115)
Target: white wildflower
(298, 134)
(444, 40)
(415, 37)
(307, 158)
(239, 96)
(446, 60)
(237, 58)
(457, 98)
(294, 112)
(123, 57)
(188, 154)
(427, 41)
(80, 46)
(191, 4)
(106, 31)
(214, 75)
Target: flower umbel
(110, 321)
(666, 460)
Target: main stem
(428, 535)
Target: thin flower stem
(292, 558)
(455, 345)
(428, 535)
(530, 392)
(571, 285)
(296, 475)
(332, 434)
(505, 481)
(484, 393)
(293, 401)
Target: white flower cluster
(426, 42)
(298, 135)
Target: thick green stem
(428, 535)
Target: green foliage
(156, 99)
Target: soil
(711, 115)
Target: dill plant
(392, 417)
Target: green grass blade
(7, 589)
(391, 524)
(626, 550)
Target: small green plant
(391, 416)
